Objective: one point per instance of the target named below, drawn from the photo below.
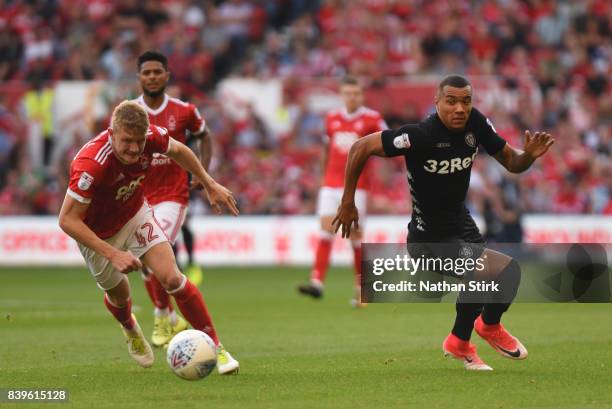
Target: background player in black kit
(439, 152)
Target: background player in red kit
(106, 213)
(167, 188)
(343, 126)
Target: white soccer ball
(192, 355)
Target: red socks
(192, 306)
(121, 314)
(157, 293)
(150, 286)
(322, 255)
(162, 298)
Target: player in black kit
(439, 152)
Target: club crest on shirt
(171, 123)
(402, 141)
(470, 140)
(85, 181)
(466, 252)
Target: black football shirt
(439, 164)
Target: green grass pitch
(295, 352)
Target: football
(192, 355)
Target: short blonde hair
(129, 115)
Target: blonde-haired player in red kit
(105, 211)
(344, 126)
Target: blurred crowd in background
(563, 47)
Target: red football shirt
(112, 189)
(169, 182)
(343, 129)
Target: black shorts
(466, 244)
(467, 232)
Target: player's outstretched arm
(358, 156)
(516, 160)
(71, 222)
(217, 194)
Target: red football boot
(464, 351)
(500, 339)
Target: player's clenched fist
(219, 196)
(346, 216)
(125, 262)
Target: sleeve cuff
(78, 197)
(382, 125)
(200, 131)
(168, 147)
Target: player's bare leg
(160, 259)
(119, 303)
(166, 322)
